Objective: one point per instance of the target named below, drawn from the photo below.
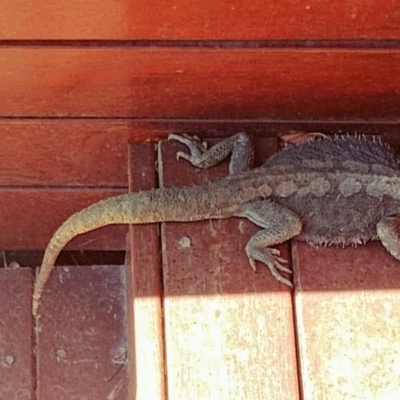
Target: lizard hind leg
(280, 224)
(257, 251)
(388, 230)
(200, 156)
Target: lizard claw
(181, 154)
(269, 257)
(195, 146)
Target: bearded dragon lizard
(344, 190)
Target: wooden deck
(87, 88)
(187, 318)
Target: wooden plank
(200, 83)
(16, 346)
(82, 335)
(82, 152)
(159, 20)
(146, 344)
(29, 217)
(63, 152)
(347, 304)
(228, 331)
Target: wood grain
(200, 83)
(228, 331)
(208, 19)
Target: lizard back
(363, 177)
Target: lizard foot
(388, 230)
(272, 259)
(193, 143)
(200, 156)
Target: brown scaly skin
(345, 190)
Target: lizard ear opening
(388, 230)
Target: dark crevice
(162, 263)
(296, 325)
(205, 121)
(100, 188)
(33, 259)
(34, 343)
(215, 43)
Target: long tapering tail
(104, 212)
(158, 205)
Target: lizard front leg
(280, 224)
(238, 145)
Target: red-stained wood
(146, 344)
(16, 354)
(200, 83)
(29, 217)
(228, 331)
(82, 335)
(90, 153)
(347, 304)
(208, 19)
(63, 153)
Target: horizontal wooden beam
(199, 83)
(207, 19)
(93, 153)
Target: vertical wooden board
(146, 345)
(16, 362)
(347, 314)
(81, 335)
(228, 331)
